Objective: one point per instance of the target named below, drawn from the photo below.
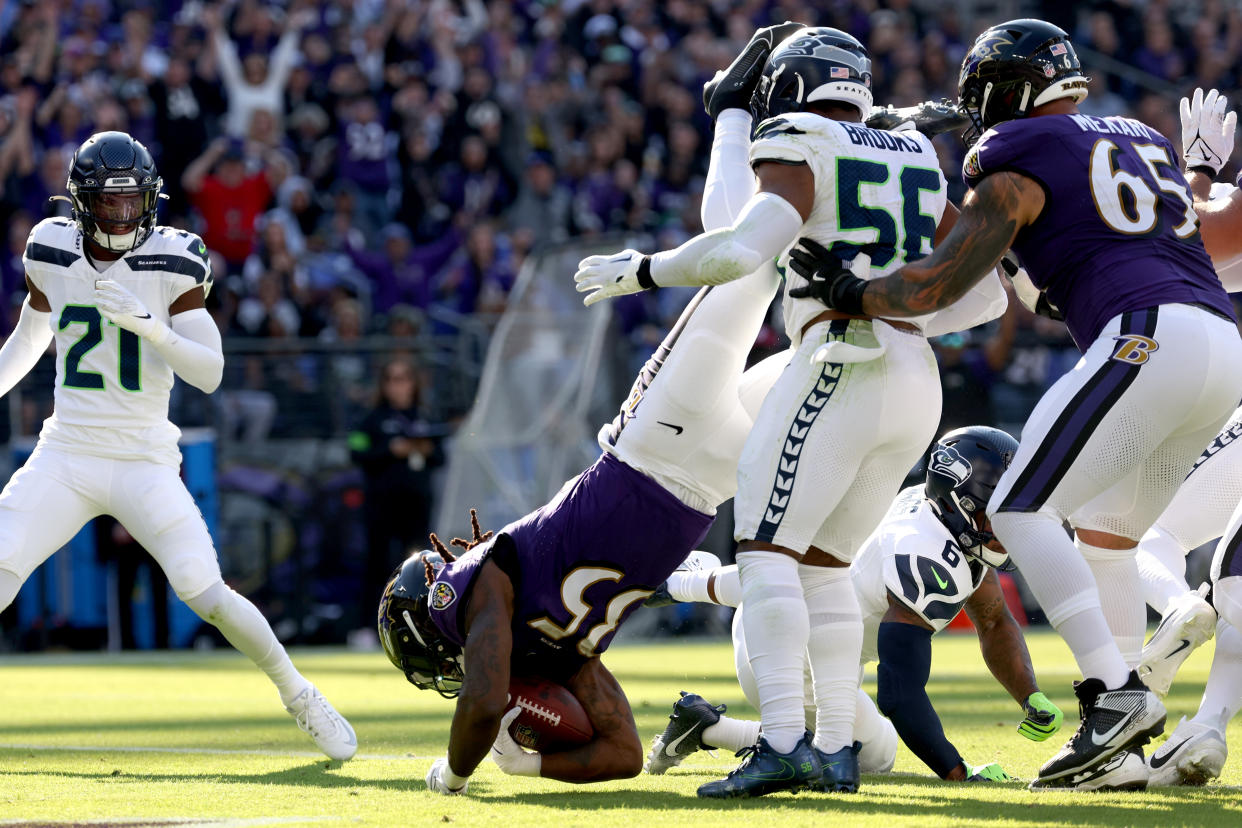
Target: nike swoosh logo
(1100, 738)
(1158, 762)
(787, 772)
(1185, 644)
(943, 584)
(671, 748)
(675, 428)
(146, 316)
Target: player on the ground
(123, 298)
(857, 405)
(932, 555)
(1110, 442)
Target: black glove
(930, 117)
(732, 88)
(831, 282)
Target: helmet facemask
(117, 219)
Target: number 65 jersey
(1118, 231)
(111, 396)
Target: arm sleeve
(730, 181)
(193, 350)
(905, 664)
(24, 346)
(984, 302)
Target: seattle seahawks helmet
(114, 189)
(815, 64)
(410, 639)
(1013, 68)
(962, 472)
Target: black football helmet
(410, 639)
(815, 64)
(1013, 68)
(962, 472)
(114, 189)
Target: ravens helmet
(815, 64)
(1013, 68)
(114, 189)
(410, 639)
(962, 472)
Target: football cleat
(1188, 622)
(316, 715)
(1112, 721)
(696, 561)
(1124, 771)
(692, 714)
(1194, 755)
(838, 771)
(764, 771)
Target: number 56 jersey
(1118, 231)
(111, 395)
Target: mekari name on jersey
(106, 376)
(877, 193)
(1118, 231)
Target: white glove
(1207, 132)
(441, 779)
(126, 310)
(509, 755)
(602, 277)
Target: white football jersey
(912, 556)
(111, 395)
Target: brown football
(552, 718)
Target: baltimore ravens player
(932, 555)
(1108, 445)
(856, 406)
(123, 298)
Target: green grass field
(185, 738)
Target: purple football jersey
(1118, 231)
(579, 565)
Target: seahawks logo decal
(946, 461)
(442, 596)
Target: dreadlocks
(479, 536)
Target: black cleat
(764, 771)
(692, 714)
(1112, 721)
(838, 771)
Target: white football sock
(245, 628)
(834, 649)
(1116, 576)
(732, 734)
(776, 629)
(1222, 697)
(1062, 583)
(721, 585)
(1162, 569)
(877, 735)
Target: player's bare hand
(1207, 130)
(603, 277)
(441, 779)
(508, 755)
(127, 311)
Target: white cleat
(1193, 755)
(1124, 771)
(1188, 622)
(316, 715)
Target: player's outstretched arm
(485, 685)
(1004, 651)
(28, 341)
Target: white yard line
(196, 822)
(205, 751)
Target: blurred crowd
(365, 166)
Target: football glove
(930, 118)
(830, 281)
(987, 773)
(441, 778)
(126, 310)
(1031, 297)
(1207, 132)
(1043, 718)
(508, 755)
(733, 87)
(603, 277)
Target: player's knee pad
(185, 552)
(1099, 553)
(879, 753)
(212, 603)
(768, 576)
(1227, 598)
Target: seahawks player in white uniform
(931, 556)
(124, 301)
